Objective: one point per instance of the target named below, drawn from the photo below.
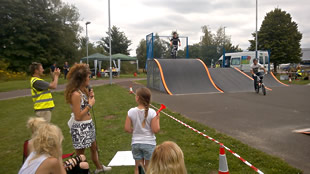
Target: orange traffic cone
(223, 167)
(130, 90)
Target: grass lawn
(295, 82)
(22, 84)
(142, 82)
(112, 104)
(25, 84)
(140, 75)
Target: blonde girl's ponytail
(144, 95)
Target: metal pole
(256, 34)
(86, 44)
(187, 53)
(110, 43)
(87, 41)
(224, 50)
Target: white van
(243, 60)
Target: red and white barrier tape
(212, 139)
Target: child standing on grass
(143, 123)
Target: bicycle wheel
(257, 89)
(263, 89)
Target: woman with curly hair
(46, 152)
(81, 125)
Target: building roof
(101, 57)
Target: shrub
(128, 68)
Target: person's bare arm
(54, 83)
(263, 68)
(155, 124)
(52, 165)
(252, 72)
(128, 124)
(76, 104)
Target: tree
(194, 50)
(37, 30)
(207, 38)
(119, 41)
(211, 45)
(141, 53)
(279, 34)
(161, 47)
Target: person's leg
(255, 81)
(138, 162)
(261, 76)
(79, 152)
(47, 115)
(148, 150)
(137, 155)
(94, 155)
(146, 164)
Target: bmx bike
(260, 84)
(174, 50)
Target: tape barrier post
(212, 139)
(223, 166)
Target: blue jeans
(142, 151)
(260, 74)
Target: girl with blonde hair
(142, 122)
(167, 158)
(82, 128)
(46, 155)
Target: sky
(137, 18)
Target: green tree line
(210, 47)
(47, 31)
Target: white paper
(122, 158)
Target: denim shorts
(142, 151)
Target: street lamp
(87, 41)
(224, 50)
(256, 34)
(110, 51)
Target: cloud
(138, 18)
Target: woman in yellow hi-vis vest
(40, 90)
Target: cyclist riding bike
(174, 42)
(255, 71)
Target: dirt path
(26, 92)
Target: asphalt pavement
(263, 122)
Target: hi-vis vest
(299, 72)
(42, 99)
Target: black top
(53, 68)
(66, 68)
(175, 40)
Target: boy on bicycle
(174, 42)
(255, 71)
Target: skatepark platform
(191, 76)
(231, 80)
(180, 76)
